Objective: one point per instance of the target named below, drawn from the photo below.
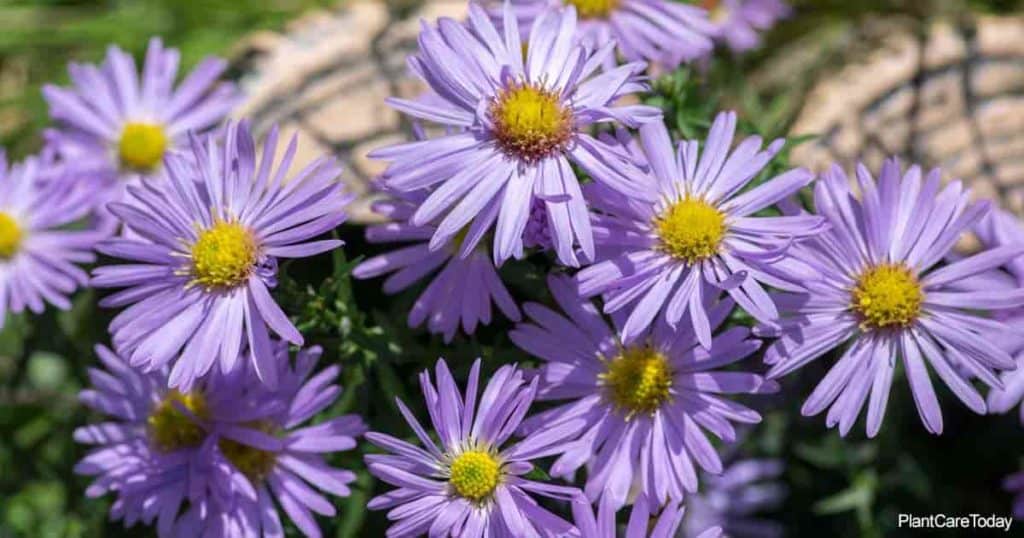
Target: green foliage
(38, 38)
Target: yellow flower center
(474, 475)
(171, 429)
(142, 146)
(691, 229)
(594, 9)
(254, 463)
(530, 123)
(10, 236)
(887, 295)
(638, 380)
(224, 255)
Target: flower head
(215, 458)
(266, 454)
(146, 454)
(514, 123)
(881, 289)
(39, 252)
(460, 294)
(635, 413)
(602, 524)
(205, 254)
(700, 235)
(471, 484)
(737, 23)
(129, 121)
(999, 229)
(731, 501)
(662, 32)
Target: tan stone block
(963, 165)
(316, 42)
(993, 78)
(1005, 148)
(945, 46)
(895, 107)
(895, 137)
(873, 158)
(951, 139)
(370, 167)
(360, 112)
(941, 99)
(1001, 36)
(848, 140)
(307, 149)
(813, 156)
(1010, 173)
(982, 188)
(1001, 116)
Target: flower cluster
(212, 460)
(205, 252)
(207, 408)
(530, 140)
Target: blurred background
(828, 52)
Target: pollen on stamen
(594, 9)
(474, 475)
(887, 296)
(224, 256)
(256, 464)
(170, 428)
(690, 229)
(530, 123)
(10, 236)
(142, 146)
(638, 380)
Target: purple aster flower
(38, 251)
(462, 291)
(206, 255)
(602, 525)
(732, 499)
(471, 484)
(636, 413)
(146, 454)
(115, 117)
(1001, 228)
(215, 457)
(699, 229)
(263, 453)
(662, 32)
(881, 289)
(514, 125)
(737, 23)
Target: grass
(38, 38)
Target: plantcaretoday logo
(945, 521)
